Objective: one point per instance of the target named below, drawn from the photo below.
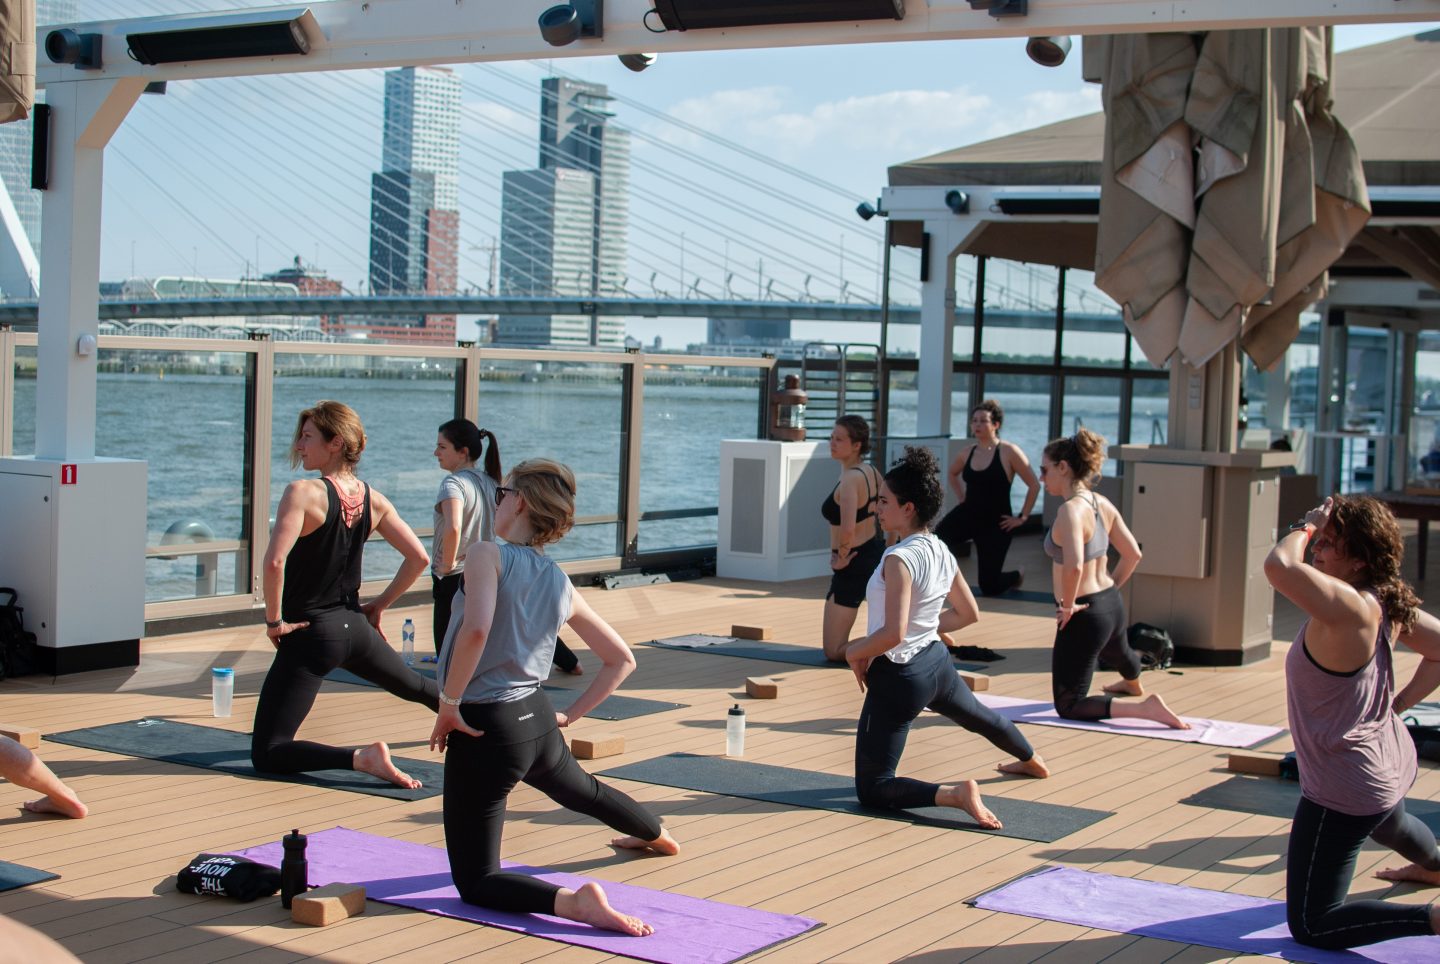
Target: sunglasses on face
(500, 493)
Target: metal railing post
(7, 390)
(260, 393)
(632, 431)
(467, 402)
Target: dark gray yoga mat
(762, 649)
(215, 749)
(613, 707)
(1273, 797)
(17, 875)
(1024, 819)
(1019, 595)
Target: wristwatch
(1301, 524)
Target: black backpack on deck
(1153, 645)
(17, 647)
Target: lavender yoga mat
(1188, 915)
(407, 874)
(1208, 732)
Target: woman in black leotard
(313, 614)
(981, 476)
(1089, 614)
(856, 543)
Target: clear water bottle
(407, 642)
(735, 731)
(222, 688)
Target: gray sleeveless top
(532, 603)
(1354, 753)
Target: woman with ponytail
(1356, 760)
(902, 668)
(1089, 615)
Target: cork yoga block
(328, 904)
(976, 682)
(1257, 762)
(761, 688)
(24, 735)
(596, 746)
(750, 632)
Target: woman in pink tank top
(1356, 760)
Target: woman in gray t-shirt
(497, 727)
(464, 510)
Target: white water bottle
(222, 688)
(735, 731)
(407, 642)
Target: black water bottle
(294, 869)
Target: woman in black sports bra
(1089, 614)
(313, 614)
(856, 543)
(983, 513)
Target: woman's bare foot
(66, 807)
(576, 670)
(663, 844)
(966, 796)
(1125, 687)
(1411, 873)
(375, 760)
(1154, 708)
(588, 905)
(1033, 767)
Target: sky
(218, 176)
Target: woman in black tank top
(313, 614)
(856, 543)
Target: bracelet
(448, 701)
(275, 624)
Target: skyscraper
(415, 196)
(16, 138)
(564, 225)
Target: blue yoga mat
(17, 875)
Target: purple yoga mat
(1209, 732)
(687, 929)
(1188, 915)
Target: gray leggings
(1323, 846)
(895, 694)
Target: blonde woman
(313, 613)
(497, 727)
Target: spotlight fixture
(638, 62)
(1002, 8)
(224, 37)
(155, 87)
(1048, 51)
(957, 201)
(700, 14)
(866, 210)
(566, 23)
(66, 46)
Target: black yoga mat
(1019, 595)
(16, 875)
(1024, 819)
(761, 649)
(212, 748)
(1273, 797)
(613, 707)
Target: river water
(190, 429)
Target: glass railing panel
(568, 411)
(1094, 403)
(1019, 324)
(183, 412)
(689, 410)
(400, 400)
(22, 423)
(1094, 330)
(1149, 411)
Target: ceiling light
(566, 23)
(1048, 51)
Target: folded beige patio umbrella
(17, 59)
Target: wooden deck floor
(885, 890)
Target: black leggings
(1094, 632)
(895, 694)
(1321, 862)
(443, 591)
(479, 775)
(992, 543)
(339, 638)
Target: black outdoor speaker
(701, 14)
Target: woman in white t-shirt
(903, 668)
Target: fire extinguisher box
(770, 524)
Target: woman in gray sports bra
(1089, 614)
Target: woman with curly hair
(1356, 760)
(497, 727)
(1089, 614)
(902, 668)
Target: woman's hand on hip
(447, 721)
(284, 629)
(1010, 523)
(1063, 615)
(840, 558)
(860, 666)
(372, 614)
